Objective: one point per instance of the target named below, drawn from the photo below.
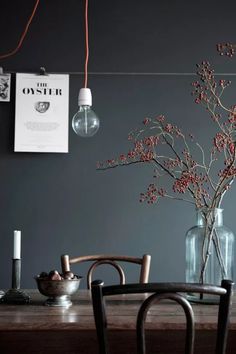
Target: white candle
(17, 244)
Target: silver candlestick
(15, 295)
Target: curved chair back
(158, 292)
(111, 260)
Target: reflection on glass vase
(209, 252)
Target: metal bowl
(58, 291)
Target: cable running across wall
(23, 35)
(85, 73)
(117, 73)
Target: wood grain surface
(35, 328)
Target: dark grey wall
(59, 201)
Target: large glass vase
(209, 251)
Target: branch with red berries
(173, 154)
(227, 49)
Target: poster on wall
(5, 85)
(41, 113)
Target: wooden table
(35, 328)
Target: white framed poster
(41, 113)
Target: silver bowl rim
(42, 279)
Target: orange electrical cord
(14, 51)
(86, 45)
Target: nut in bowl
(58, 287)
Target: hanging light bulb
(85, 122)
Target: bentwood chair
(157, 292)
(112, 260)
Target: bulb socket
(85, 97)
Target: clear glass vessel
(209, 251)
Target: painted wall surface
(60, 202)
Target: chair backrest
(160, 291)
(112, 260)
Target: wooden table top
(122, 311)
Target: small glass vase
(209, 252)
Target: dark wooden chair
(112, 260)
(160, 291)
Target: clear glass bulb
(85, 122)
